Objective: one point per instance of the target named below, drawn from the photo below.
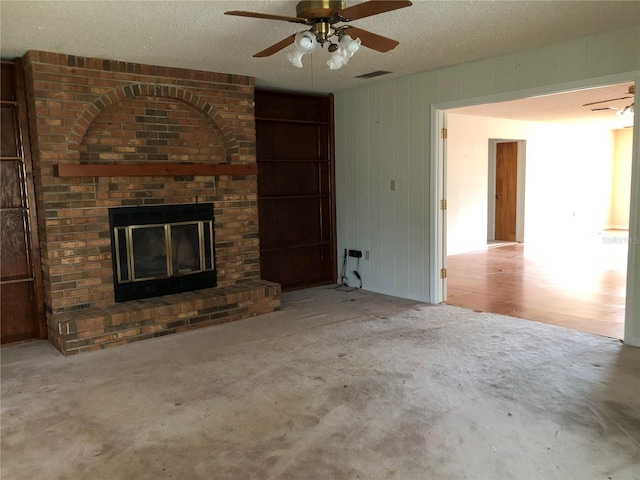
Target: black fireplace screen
(160, 250)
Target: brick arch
(79, 129)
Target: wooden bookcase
(21, 292)
(296, 193)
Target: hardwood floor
(579, 284)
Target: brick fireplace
(112, 135)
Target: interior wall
(621, 175)
(382, 175)
(568, 179)
(383, 133)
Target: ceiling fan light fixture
(336, 61)
(305, 42)
(347, 46)
(322, 16)
(627, 111)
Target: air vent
(377, 73)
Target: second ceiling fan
(323, 17)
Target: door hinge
(443, 273)
(443, 204)
(443, 133)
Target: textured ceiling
(197, 34)
(571, 107)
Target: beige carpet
(336, 386)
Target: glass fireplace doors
(159, 250)
(146, 252)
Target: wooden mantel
(152, 170)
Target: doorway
(493, 226)
(506, 191)
(507, 181)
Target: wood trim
(291, 120)
(294, 246)
(19, 280)
(293, 197)
(332, 185)
(151, 170)
(293, 160)
(34, 237)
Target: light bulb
(305, 41)
(349, 46)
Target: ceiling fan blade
(276, 47)
(267, 16)
(373, 7)
(372, 40)
(605, 101)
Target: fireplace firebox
(162, 249)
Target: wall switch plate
(393, 185)
(366, 254)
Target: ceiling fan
(630, 94)
(626, 112)
(323, 16)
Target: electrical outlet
(393, 185)
(355, 253)
(366, 254)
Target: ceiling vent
(377, 73)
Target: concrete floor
(338, 385)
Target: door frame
(438, 214)
(437, 182)
(520, 188)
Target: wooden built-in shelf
(292, 120)
(151, 170)
(295, 246)
(295, 197)
(294, 160)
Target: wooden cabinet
(21, 297)
(296, 198)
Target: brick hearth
(110, 134)
(119, 324)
